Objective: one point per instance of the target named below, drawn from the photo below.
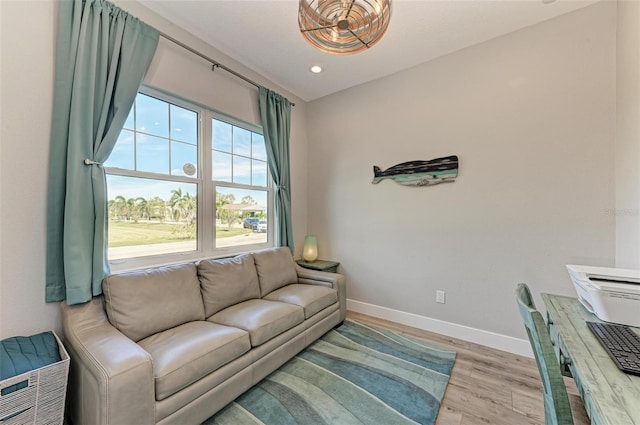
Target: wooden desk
(610, 396)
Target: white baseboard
(478, 336)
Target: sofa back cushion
(142, 303)
(276, 268)
(227, 282)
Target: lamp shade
(310, 249)
(343, 27)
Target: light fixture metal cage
(343, 27)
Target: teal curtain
(275, 114)
(102, 56)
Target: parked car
(250, 223)
(262, 226)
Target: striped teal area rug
(356, 374)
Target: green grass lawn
(122, 233)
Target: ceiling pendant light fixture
(343, 27)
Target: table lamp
(310, 249)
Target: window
(184, 182)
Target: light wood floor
(487, 386)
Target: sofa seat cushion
(186, 353)
(312, 298)
(263, 319)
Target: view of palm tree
(139, 222)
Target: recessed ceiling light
(316, 69)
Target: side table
(320, 265)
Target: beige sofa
(176, 344)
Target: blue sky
(162, 138)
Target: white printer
(611, 294)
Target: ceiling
(264, 36)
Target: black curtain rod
(214, 64)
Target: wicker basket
(42, 401)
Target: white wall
(26, 84)
(26, 94)
(531, 116)
(627, 210)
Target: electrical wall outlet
(440, 297)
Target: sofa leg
(338, 325)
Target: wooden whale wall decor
(420, 173)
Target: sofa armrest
(111, 377)
(332, 280)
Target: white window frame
(206, 190)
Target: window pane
(184, 125)
(259, 173)
(241, 141)
(221, 135)
(152, 115)
(241, 170)
(122, 155)
(259, 150)
(152, 154)
(184, 159)
(241, 216)
(221, 166)
(150, 217)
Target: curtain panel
(102, 55)
(275, 114)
